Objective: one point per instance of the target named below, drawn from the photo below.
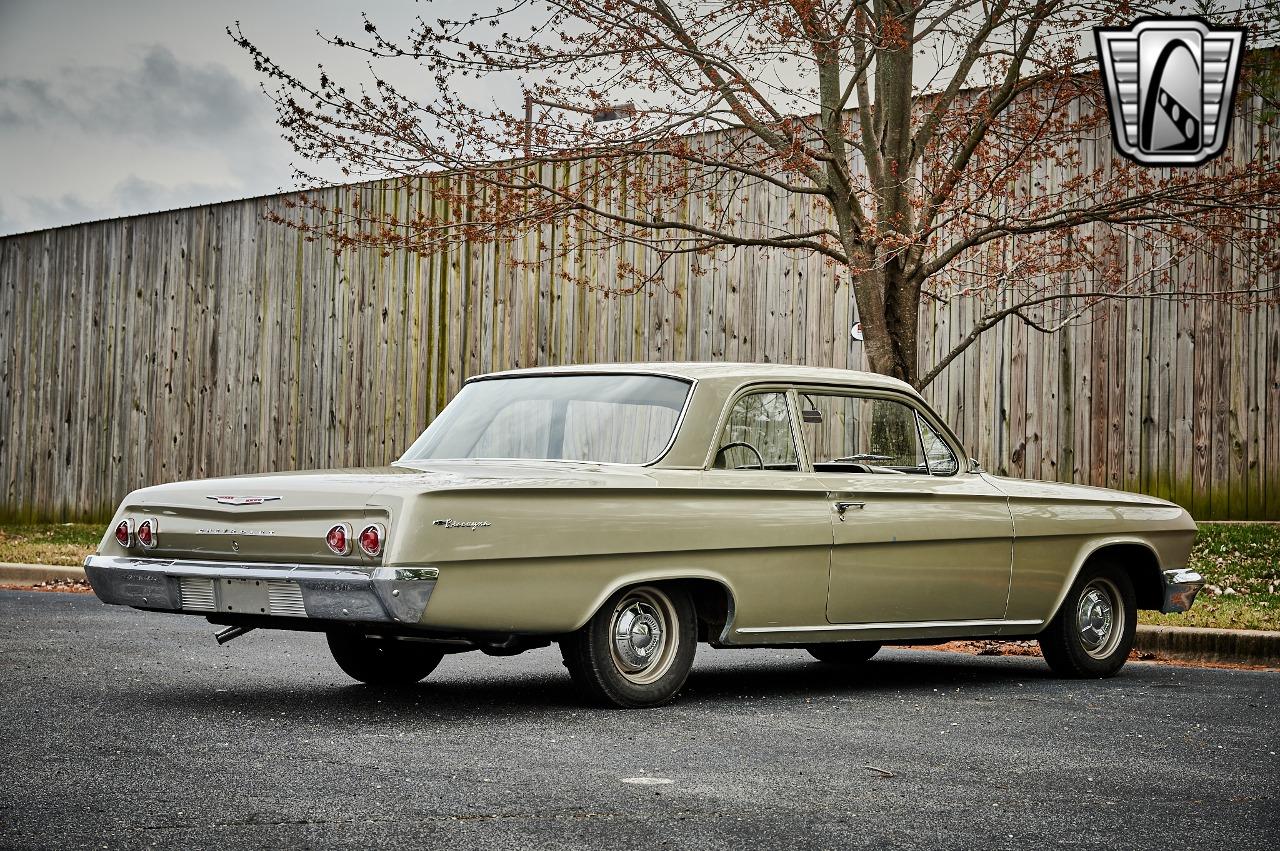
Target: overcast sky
(133, 106)
(115, 108)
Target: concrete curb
(1197, 644)
(17, 574)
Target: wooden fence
(207, 341)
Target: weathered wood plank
(209, 341)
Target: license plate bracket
(244, 596)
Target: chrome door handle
(842, 507)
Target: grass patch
(49, 543)
(1241, 566)
(1239, 561)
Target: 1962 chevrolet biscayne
(629, 512)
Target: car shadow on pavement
(726, 679)
(897, 674)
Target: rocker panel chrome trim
(854, 627)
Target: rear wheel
(1093, 631)
(844, 652)
(382, 661)
(637, 650)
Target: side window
(758, 435)
(855, 434)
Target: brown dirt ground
(1030, 648)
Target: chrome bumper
(326, 592)
(1180, 589)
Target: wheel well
(1143, 568)
(711, 599)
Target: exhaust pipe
(231, 633)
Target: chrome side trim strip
(853, 627)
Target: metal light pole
(612, 112)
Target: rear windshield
(617, 419)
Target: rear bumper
(1180, 589)
(322, 592)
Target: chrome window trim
(918, 406)
(928, 465)
(797, 424)
(740, 393)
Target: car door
(916, 539)
(765, 515)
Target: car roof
(728, 372)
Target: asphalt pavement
(128, 729)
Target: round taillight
(339, 539)
(148, 533)
(124, 533)
(371, 539)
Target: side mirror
(810, 415)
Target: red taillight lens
(124, 533)
(371, 540)
(148, 534)
(339, 539)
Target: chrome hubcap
(643, 635)
(637, 635)
(1100, 618)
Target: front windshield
(617, 419)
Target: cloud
(131, 195)
(158, 132)
(161, 95)
(25, 101)
(135, 193)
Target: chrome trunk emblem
(242, 500)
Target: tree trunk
(892, 299)
(888, 307)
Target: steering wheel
(744, 445)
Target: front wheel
(637, 650)
(1093, 631)
(382, 661)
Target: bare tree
(934, 149)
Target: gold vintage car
(629, 512)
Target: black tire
(382, 661)
(844, 652)
(1093, 631)
(625, 673)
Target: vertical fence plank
(209, 341)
